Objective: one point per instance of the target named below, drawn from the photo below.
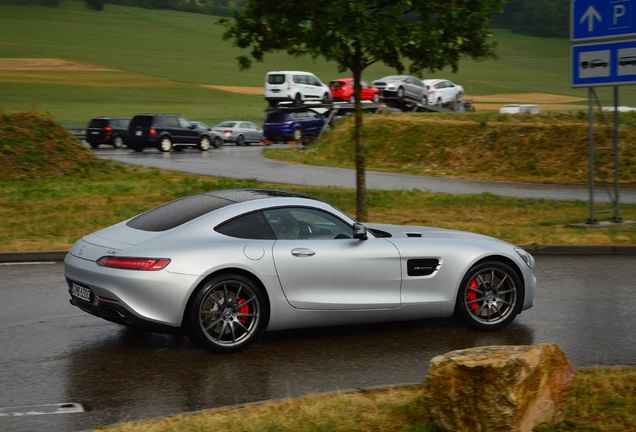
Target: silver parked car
(240, 132)
(402, 86)
(224, 266)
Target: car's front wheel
(165, 145)
(326, 99)
(204, 144)
(228, 313)
(297, 135)
(118, 142)
(376, 98)
(490, 296)
(401, 92)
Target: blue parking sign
(602, 19)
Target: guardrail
(78, 132)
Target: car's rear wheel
(240, 140)
(165, 145)
(118, 142)
(298, 99)
(217, 142)
(439, 102)
(297, 135)
(352, 99)
(490, 296)
(94, 145)
(204, 144)
(228, 313)
(376, 98)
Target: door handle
(302, 252)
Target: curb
(55, 256)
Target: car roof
(182, 210)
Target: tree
(425, 34)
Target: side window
(172, 122)
(293, 223)
(184, 123)
(249, 226)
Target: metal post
(591, 218)
(617, 216)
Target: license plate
(80, 292)
(138, 133)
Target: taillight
(128, 263)
(108, 128)
(152, 132)
(227, 131)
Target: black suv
(165, 132)
(107, 130)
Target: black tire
(138, 148)
(376, 98)
(490, 296)
(217, 142)
(400, 92)
(94, 145)
(352, 99)
(439, 102)
(297, 135)
(204, 143)
(298, 99)
(165, 145)
(118, 142)
(228, 313)
(240, 140)
(326, 99)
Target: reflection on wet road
(54, 353)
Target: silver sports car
(224, 266)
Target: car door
(253, 133)
(326, 269)
(189, 134)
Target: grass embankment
(55, 190)
(545, 148)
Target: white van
(294, 86)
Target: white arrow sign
(590, 15)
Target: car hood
(404, 231)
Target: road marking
(29, 410)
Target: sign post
(603, 53)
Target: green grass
(186, 51)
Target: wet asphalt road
(247, 162)
(53, 353)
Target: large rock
(498, 388)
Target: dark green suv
(165, 132)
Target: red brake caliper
(243, 310)
(471, 295)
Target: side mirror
(359, 231)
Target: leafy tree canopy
(425, 34)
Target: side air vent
(413, 234)
(422, 266)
